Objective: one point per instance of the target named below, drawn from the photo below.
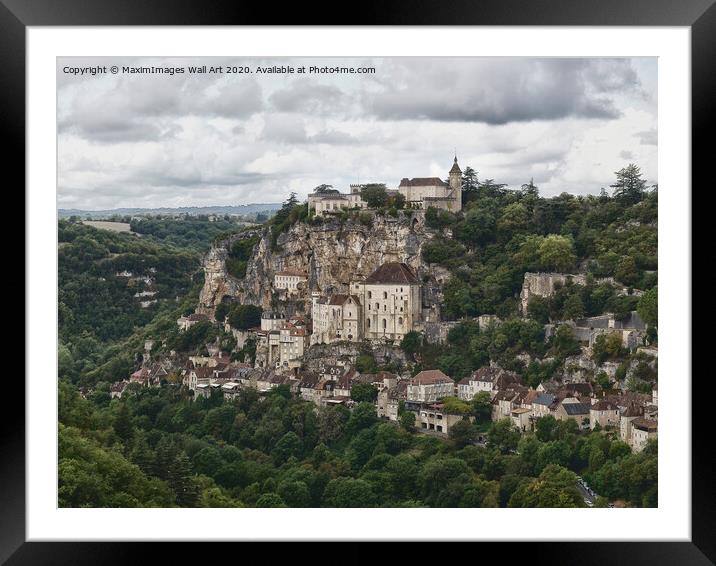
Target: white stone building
(429, 386)
(271, 321)
(324, 204)
(336, 318)
(291, 280)
(426, 192)
(392, 302)
(642, 430)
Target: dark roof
(422, 182)
(544, 399)
(604, 406)
(633, 410)
(455, 167)
(644, 424)
(393, 272)
(197, 316)
(339, 299)
(576, 408)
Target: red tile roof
(431, 376)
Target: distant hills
(243, 210)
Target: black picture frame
(17, 15)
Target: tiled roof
(576, 408)
(430, 376)
(604, 406)
(340, 299)
(544, 399)
(422, 182)
(645, 424)
(392, 272)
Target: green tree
(243, 317)
(180, 480)
(463, 433)
(270, 500)
(648, 308)
(325, 190)
(555, 487)
(482, 407)
(411, 343)
(122, 425)
(629, 186)
(407, 420)
(556, 253)
(503, 435)
(364, 392)
(348, 492)
(375, 195)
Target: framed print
(389, 281)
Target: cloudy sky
(142, 140)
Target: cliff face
(332, 254)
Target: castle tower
(455, 179)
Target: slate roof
(393, 272)
(422, 182)
(544, 399)
(576, 408)
(455, 167)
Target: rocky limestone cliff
(332, 254)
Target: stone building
(604, 413)
(426, 192)
(392, 302)
(186, 322)
(545, 284)
(271, 320)
(429, 386)
(419, 192)
(642, 430)
(336, 318)
(328, 203)
(291, 280)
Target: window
(368, 323)
(385, 294)
(400, 320)
(370, 295)
(385, 324)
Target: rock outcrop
(333, 254)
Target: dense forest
(157, 447)
(99, 314)
(195, 233)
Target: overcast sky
(214, 139)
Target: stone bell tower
(455, 179)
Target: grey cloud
(499, 92)
(624, 154)
(141, 108)
(649, 137)
(308, 96)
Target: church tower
(455, 179)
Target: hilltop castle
(419, 192)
